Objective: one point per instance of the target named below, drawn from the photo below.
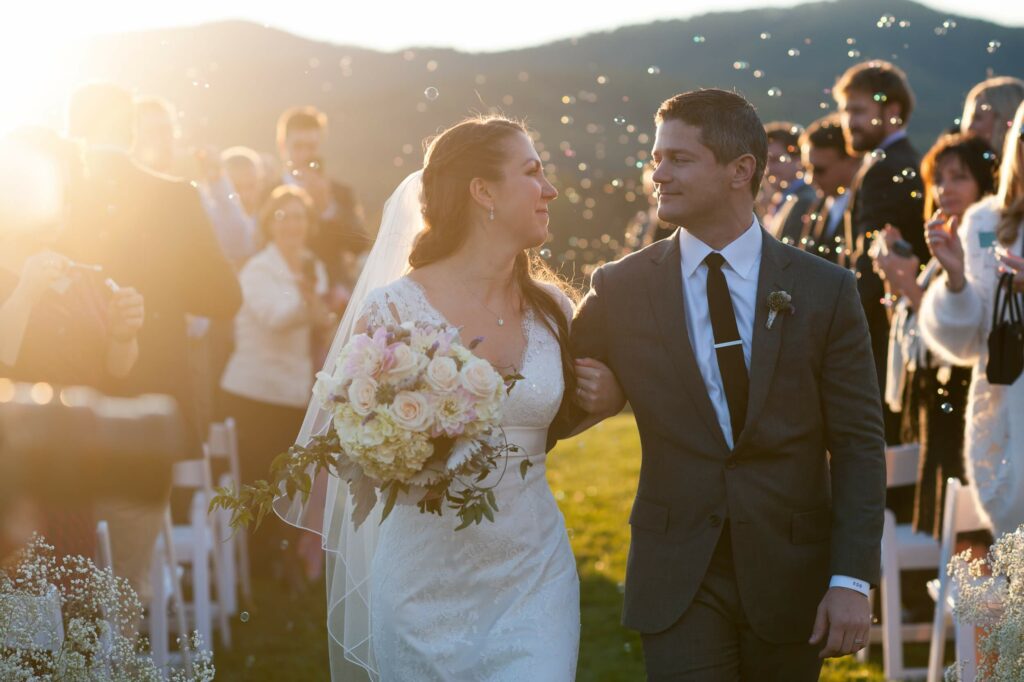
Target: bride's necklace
(499, 318)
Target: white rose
(362, 394)
(479, 378)
(443, 374)
(325, 388)
(406, 362)
(411, 411)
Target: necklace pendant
(501, 322)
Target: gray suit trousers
(712, 641)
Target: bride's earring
(492, 214)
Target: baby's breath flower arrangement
(66, 619)
(995, 604)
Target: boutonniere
(778, 302)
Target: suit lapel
(773, 276)
(665, 291)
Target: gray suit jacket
(797, 515)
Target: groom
(758, 518)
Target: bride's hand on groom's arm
(597, 390)
(843, 622)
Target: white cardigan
(272, 362)
(956, 326)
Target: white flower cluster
(396, 391)
(990, 595)
(67, 619)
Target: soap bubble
(774, 92)
(244, 616)
(431, 93)
(993, 45)
(653, 70)
(545, 253)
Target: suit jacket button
(730, 463)
(715, 520)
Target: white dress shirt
(741, 269)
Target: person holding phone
(930, 393)
(62, 323)
(341, 237)
(955, 321)
(269, 376)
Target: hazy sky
(390, 25)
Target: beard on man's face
(860, 140)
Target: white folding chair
(198, 545)
(104, 555)
(961, 515)
(902, 550)
(223, 444)
(165, 582)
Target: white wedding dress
(494, 602)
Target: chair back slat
(901, 463)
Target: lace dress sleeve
(378, 309)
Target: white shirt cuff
(849, 583)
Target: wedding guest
(149, 232)
(269, 377)
(875, 104)
(301, 133)
(156, 147)
(956, 318)
(830, 168)
(792, 196)
(60, 323)
(245, 170)
(931, 394)
(645, 228)
(989, 109)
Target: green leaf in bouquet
(524, 466)
(364, 497)
(394, 488)
(492, 500)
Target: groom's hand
(843, 622)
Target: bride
(413, 599)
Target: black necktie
(728, 345)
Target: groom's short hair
(729, 126)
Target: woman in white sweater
(269, 376)
(955, 319)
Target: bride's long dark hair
(475, 148)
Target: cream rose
(362, 395)
(406, 362)
(411, 411)
(479, 378)
(443, 374)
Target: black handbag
(1006, 340)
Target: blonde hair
(1010, 197)
(1003, 95)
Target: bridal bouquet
(413, 413)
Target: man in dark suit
(831, 169)
(793, 196)
(149, 232)
(340, 234)
(758, 518)
(875, 103)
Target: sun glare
(34, 66)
